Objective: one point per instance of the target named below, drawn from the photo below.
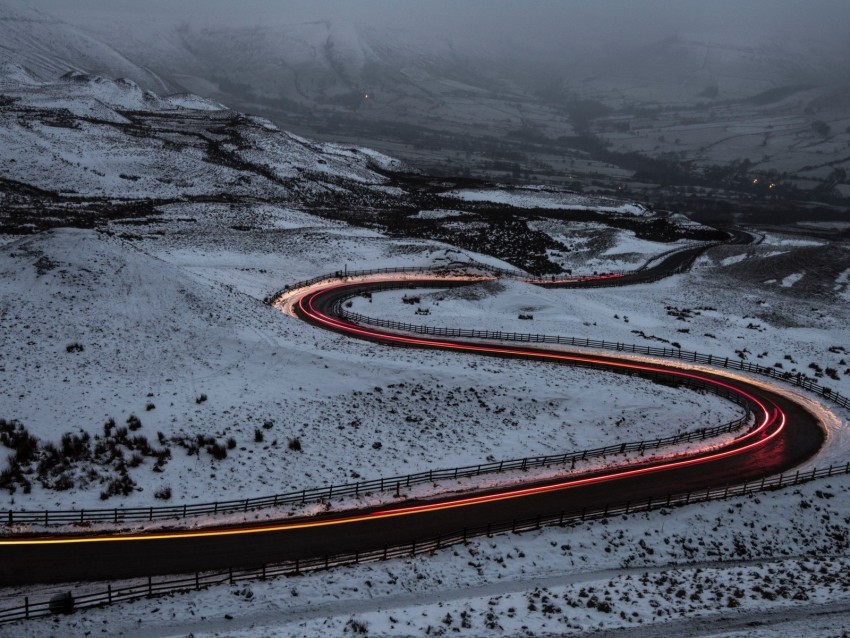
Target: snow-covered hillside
(48, 47)
(99, 329)
(91, 137)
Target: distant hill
(48, 48)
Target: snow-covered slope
(48, 47)
(93, 137)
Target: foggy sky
(540, 21)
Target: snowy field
(773, 564)
(531, 197)
(100, 329)
(169, 317)
(744, 302)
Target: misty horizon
(546, 25)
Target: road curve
(785, 433)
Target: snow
(48, 47)
(792, 279)
(83, 140)
(194, 102)
(440, 213)
(842, 284)
(537, 198)
(735, 259)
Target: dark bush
(120, 486)
(294, 444)
(76, 447)
(134, 422)
(217, 451)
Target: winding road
(784, 433)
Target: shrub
(122, 485)
(134, 422)
(64, 482)
(217, 451)
(50, 462)
(74, 347)
(163, 493)
(76, 448)
(149, 407)
(356, 627)
(201, 398)
(294, 444)
(231, 443)
(258, 435)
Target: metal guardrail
(151, 587)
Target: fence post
(109, 593)
(150, 587)
(197, 581)
(26, 606)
